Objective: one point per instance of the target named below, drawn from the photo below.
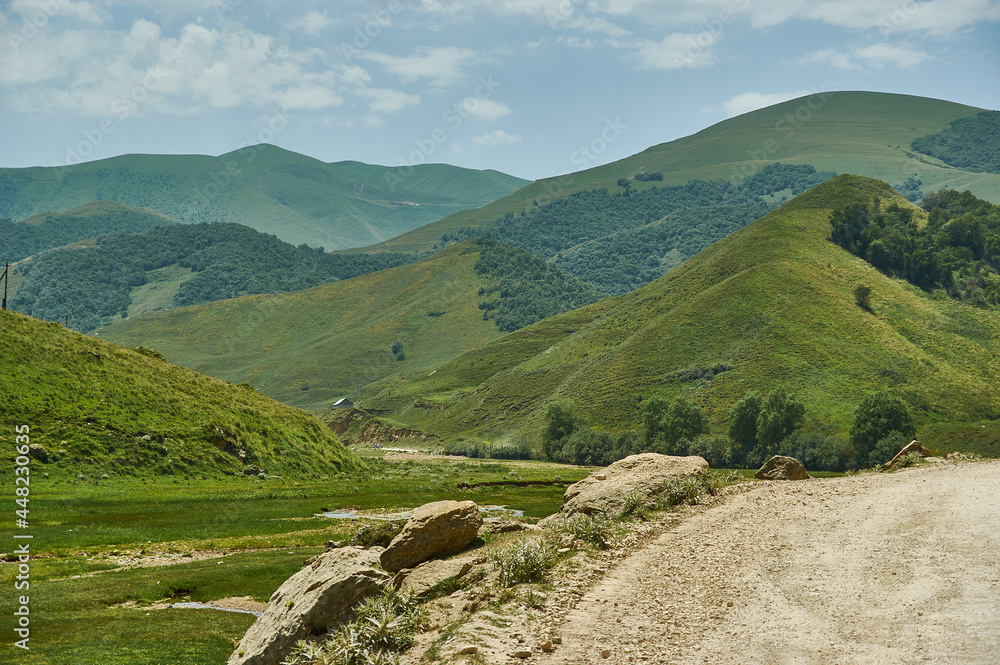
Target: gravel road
(874, 569)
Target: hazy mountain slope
(867, 133)
(773, 302)
(297, 198)
(99, 408)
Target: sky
(533, 88)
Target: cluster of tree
(522, 288)
(910, 189)
(89, 286)
(649, 177)
(778, 177)
(19, 240)
(519, 449)
(958, 249)
(620, 241)
(969, 143)
(759, 427)
(624, 261)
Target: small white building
(343, 403)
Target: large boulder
(434, 530)
(320, 595)
(913, 447)
(780, 467)
(642, 475)
(422, 580)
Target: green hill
(311, 347)
(88, 285)
(867, 133)
(97, 408)
(297, 198)
(55, 229)
(769, 306)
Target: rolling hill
(865, 133)
(769, 306)
(311, 347)
(297, 198)
(55, 229)
(97, 408)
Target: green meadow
(220, 538)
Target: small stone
(546, 646)
(729, 604)
(521, 653)
(557, 640)
(468, 650)
(606, 653)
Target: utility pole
(6, 267)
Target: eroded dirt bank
(873, 569)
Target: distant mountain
(865, 133)
(98, 408)
(312, 347)
(55, 229)
(297, 198)
(771, 305)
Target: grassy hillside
(773, 302)
(309, 348)
(866, 133)
(100, 409)
(312, 347)
(86, 286)
(297, 198)
(55, 229)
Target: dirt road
(873, 569)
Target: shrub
(818, 451)
(862, 297)
(525, 560)
(383, 626)
(681, 490)
(716, 449)
(594, 529)
(886, 448)
(876, 417)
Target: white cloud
(93, 72)
(388, 101)
(442, 66)
(675, 51)
(313, 23)
(498, 137)
(484, 109)
(875, 57)
(40, 12)
(751, 101)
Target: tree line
(91, 286)
(759, 426)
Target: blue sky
(527, 87)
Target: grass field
(221, 538)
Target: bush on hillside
(877, 416)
